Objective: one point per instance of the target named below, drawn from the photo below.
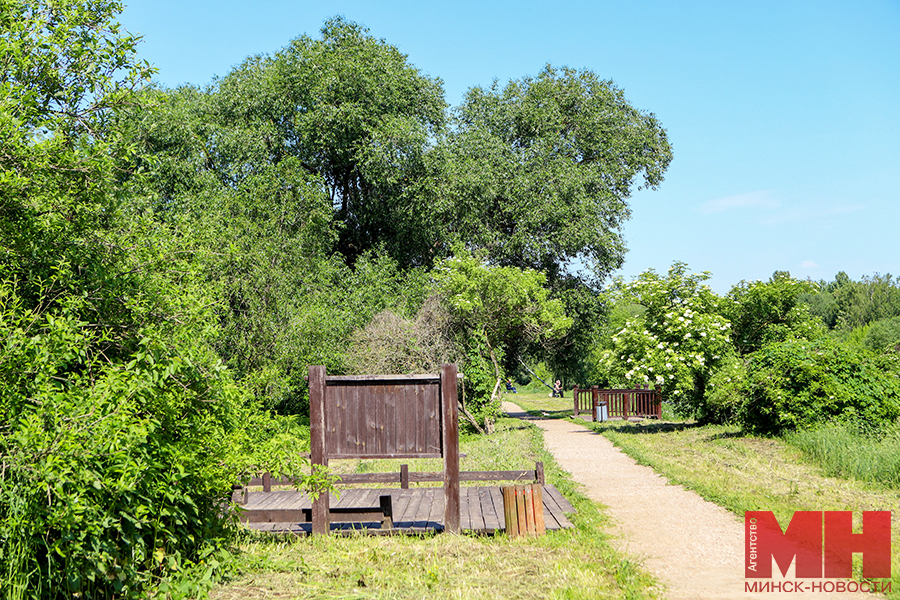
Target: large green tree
(763, 312)
(498, 311)
(537, 173)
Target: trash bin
(601, 414)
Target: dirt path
(694, 547)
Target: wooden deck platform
(415, 510)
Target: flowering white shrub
(679, 340)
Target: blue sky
(784, 116)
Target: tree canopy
(537, 173)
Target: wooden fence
(619, 403)
(404, 477)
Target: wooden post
(539, 526)
(450, 422)
(595, 400)
(267, 482)
(520, 509)
(320, 524)
(575, 396)
(509, 511)
(404, 477)
(528, 495)
(523, 509)
(539, 472)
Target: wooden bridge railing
(404, 477)
(584, 399)
(619, 403)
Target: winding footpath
(694, 547)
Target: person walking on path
(694, 547)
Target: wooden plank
(550, 501)
(334, 408)
(510, 516)
(524, 475)
(528, 495)
(389, 434)
(469, 510)
(520, 508)
(412, 509)
(264, 500)
(476, 499)
(564, 504)
(351, 478)
(550, 516)
(465, 515)
(450, 426)
(284, 499)
(367, 414)
(497, 500)
(342, 379)
(369, 497)
(423, 510)
(432, 396)
(488, 513)
(274, 515)
(538, 499)
(401, 504)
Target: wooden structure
(619, 403)
(385, 416)
(523, 507)
(390, 416)
(414, 511)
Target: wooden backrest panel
(383, 417)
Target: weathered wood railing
(584, 399)
(404, 477)
(619, 403)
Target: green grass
(842, 452)
(573, 563)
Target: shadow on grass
(668, 427)
(651, 427)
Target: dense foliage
(676, 341)
(499, 311)
(761, 355)
(172, 261)
(798, 383)
(538, 172)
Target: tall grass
(843, 452)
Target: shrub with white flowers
(678, 341)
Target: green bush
(727, 391)
(799, 383)
(115, 474)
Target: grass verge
(574, 563)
